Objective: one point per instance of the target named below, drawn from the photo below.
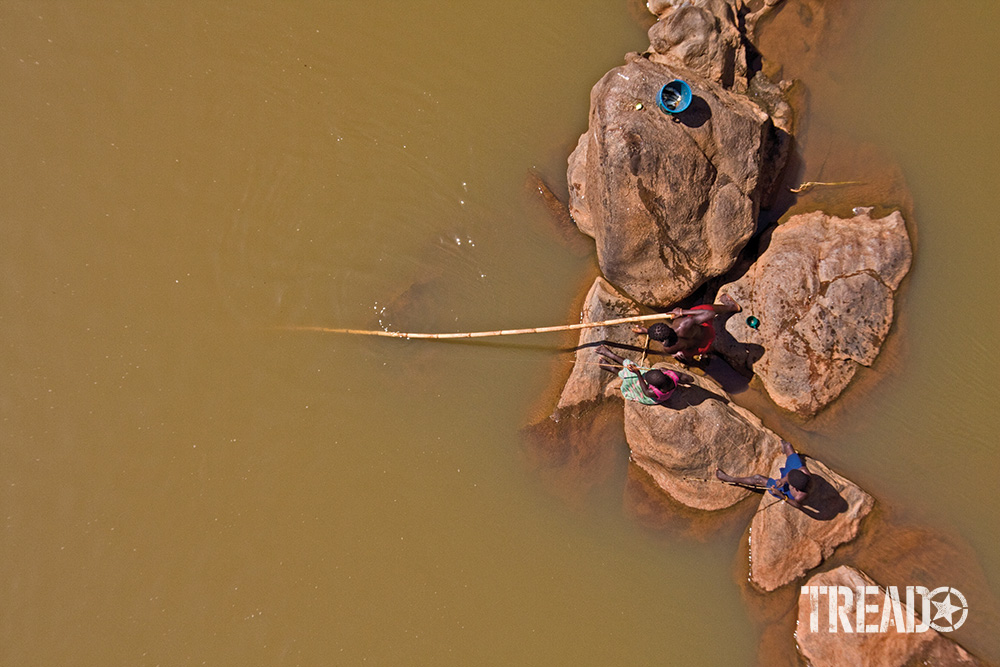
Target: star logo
(944, 600)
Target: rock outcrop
(889, 648)
(588, 382)
(682, 442)
(670, 204)
(823, 294)
(701, 38)
(749, 11)
(785, 542)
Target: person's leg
(754, 480)
(608, 354)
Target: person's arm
(799, 504)
(778, 491)
(679, 346)
(794, 503)
(642, 381)
(699, 316)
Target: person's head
(798, 479)
(663, 333)
(659, 379)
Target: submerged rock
(823, 296)
(785, 542)
(669, 204)
(682, 442)
(890, 648)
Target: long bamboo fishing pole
(482, 334)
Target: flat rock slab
(823, 294)
(696, 431)
(785, 542)
(890, 648)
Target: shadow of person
(751, 353)
(824, 502)
(690, 395)
(754, 352)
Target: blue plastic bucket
(674, 96)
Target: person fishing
(691, 332)
(653, 387)
(793, 483)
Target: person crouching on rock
(793, 483)
(650, 388)
(692, 331)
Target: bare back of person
(692, 335)
(692, 330)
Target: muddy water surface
(182, 482)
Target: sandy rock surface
(785, 542)
(823, 293)
(696, 431)
(820, 647)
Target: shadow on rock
(824, 502)
(693, 395)
(697, 114)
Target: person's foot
(729, 301)
(684, 358)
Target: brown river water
(183, 482)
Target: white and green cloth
(631, 389)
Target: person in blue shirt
(793, 483)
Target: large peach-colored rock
(785, 542)
(823, 292)
(669, 204)
(682, 442)
(821, 647)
